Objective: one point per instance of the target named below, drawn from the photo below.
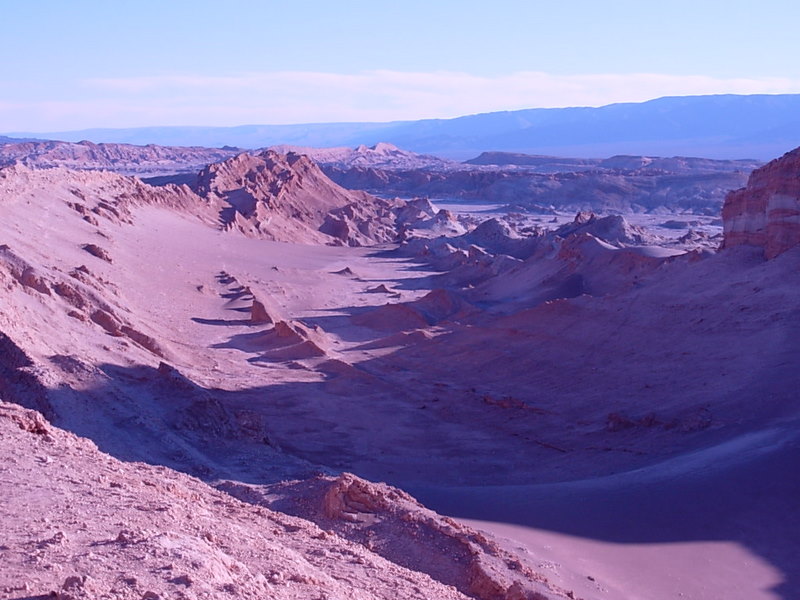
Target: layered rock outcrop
(288, 198)
(393, 525)
(766, 213)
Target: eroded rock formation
(288, 198)
(766, 213)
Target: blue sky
(86, 63)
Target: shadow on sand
(745, 493)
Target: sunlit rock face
(766, 213)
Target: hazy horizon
(307, 123)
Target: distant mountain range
(721, 126)
(15, 140)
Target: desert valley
(399, 300)
(363, 372)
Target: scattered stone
(379, 289)
(97, 251)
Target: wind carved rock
(766, 213)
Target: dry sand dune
(624, 413)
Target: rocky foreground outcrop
(81, 525)
(392, 524)
(766, 213)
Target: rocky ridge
(555, 164)
(288, 198)
(381, 156)
(600, 190)
(125, 159)
(268, 195)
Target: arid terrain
(250, 380)
(547, 184)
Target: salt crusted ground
(622, 415)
